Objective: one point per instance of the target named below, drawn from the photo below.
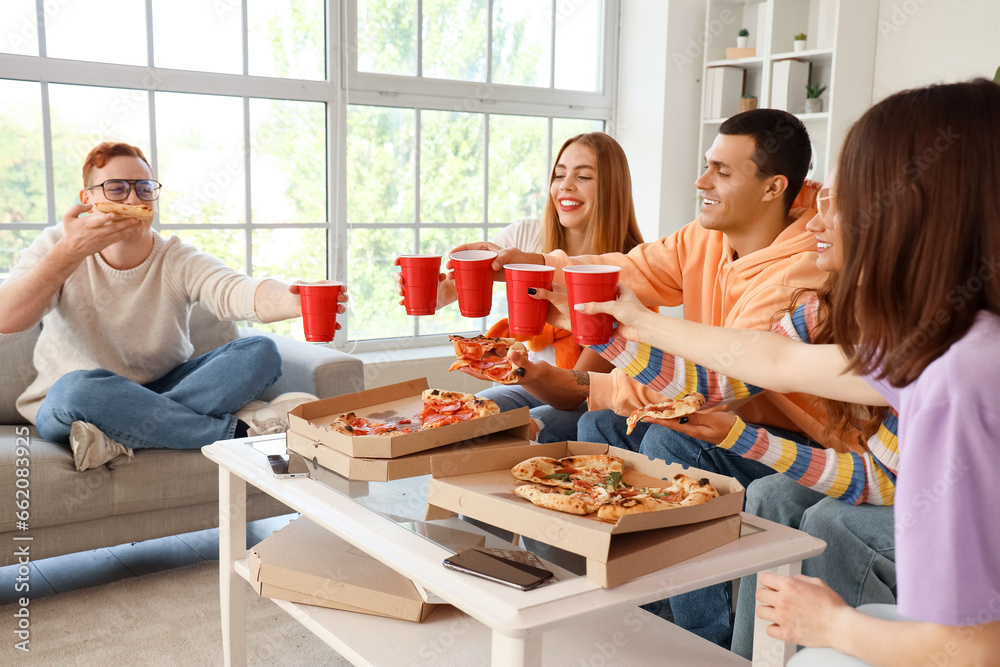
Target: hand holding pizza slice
(671, 409)
(488, 357)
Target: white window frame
(344, 85)
(424, 93)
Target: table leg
(768, 651)
(232, 547)
(516, 651)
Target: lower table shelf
(450, 637)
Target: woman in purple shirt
(917, 314)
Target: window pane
(565, 128)
(19, 28)
(22, 155)
(387, 36)
(288, 161)
(380, 164)
(198, 35)
(289, 255)
(200, 142)
(84, 116)
(449, 319)
(286, 38)
(522, 42)
(451, 167)
(518, 172)
(579, 38)
(372, 310)
(228, 245)
(107, 31)
(12, 242)
(454, 34)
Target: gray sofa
(157, 493)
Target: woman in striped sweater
(818, 487)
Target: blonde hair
(612, 226)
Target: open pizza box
(390, 403)
(305, 563)
(483, 488)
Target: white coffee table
(573, 621)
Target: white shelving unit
(840, 52)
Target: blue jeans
(660, 442)
(188, 408)
(859, 560)
(707, 612)
(556, 425)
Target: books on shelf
(723, 90)
(788, 85)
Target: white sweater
(133, 323)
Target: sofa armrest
(312, 368)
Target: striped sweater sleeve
(854, 478)
(674, 377)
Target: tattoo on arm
(582, 378)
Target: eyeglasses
(118, 189)
(824, 204)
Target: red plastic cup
(420, 283)
(588, 283)
(526, 315)
(474, 281)
(319, 310)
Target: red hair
(100, 154)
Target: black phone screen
(497, 568)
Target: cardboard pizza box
(323, 460)
(305, 563)
(483, 488)
(403, 400)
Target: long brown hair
(612, 226)
(919, 206)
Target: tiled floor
(101, 566)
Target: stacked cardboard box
(382, 458)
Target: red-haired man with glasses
(114, 355)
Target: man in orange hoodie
(738, 265)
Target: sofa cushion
(17, 368)
(153, 479)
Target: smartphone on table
(285, 466)
(482, 563)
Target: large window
(303, 139)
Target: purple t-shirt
(948, 488)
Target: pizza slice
(671, 409)
(562, 500)
(685, 491)
(572, 472)
(351, 424)
(449, 407)
(141, 212)
(488, 356)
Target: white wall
(659, 93)
(918, 42)
(934, 41)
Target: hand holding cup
(626, 309)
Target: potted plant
(741, 39)
(800, 42)
(813, 102)
(748, 102)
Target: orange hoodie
(695, 268)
